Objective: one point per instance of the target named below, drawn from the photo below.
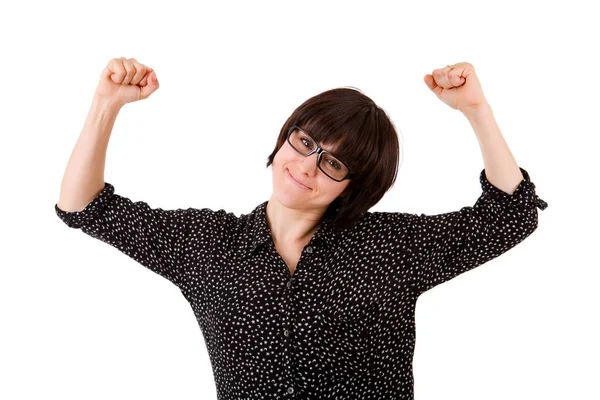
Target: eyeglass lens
(329, 164)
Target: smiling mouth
(292, 177)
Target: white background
(80, 320)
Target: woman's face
(320, 190)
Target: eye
(306, 143)
(334, 164)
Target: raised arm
(152, 236)
(122, 81)
(446, 245)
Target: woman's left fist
(458, 87)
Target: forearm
(84, 175)
(501, 168)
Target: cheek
(275, 163)
(279, 157)
(282, 158)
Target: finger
(144, 80)
(441, 77)
(140, 71)
(130, 71)
(116, 72)
(456, 79)
(151, 86)
(457, 76)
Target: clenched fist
(124, 80)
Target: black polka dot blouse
(343, 325)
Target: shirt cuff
(78, 219)
(525, 192)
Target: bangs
(351, 137)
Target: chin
(289, 199)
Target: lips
(292, 176)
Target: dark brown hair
(363, 137)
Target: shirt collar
(260, 234)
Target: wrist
(477, 112)
(106, 104)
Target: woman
(310, 295)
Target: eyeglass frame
(319, 151)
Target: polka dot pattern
(342, 326)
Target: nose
(308, 164)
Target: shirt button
(290, 390)
(286, 333)
(289, 284)
(309, 249)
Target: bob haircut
(361, 135)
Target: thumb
(432, 85)
(151, 86)
(429, 81)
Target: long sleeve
(154, 237)
(446, 245)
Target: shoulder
(380, 225)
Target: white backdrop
(82, 321)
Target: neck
(291, 225)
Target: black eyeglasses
(327, 162)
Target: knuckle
(139, 67)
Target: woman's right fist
(124, 80)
